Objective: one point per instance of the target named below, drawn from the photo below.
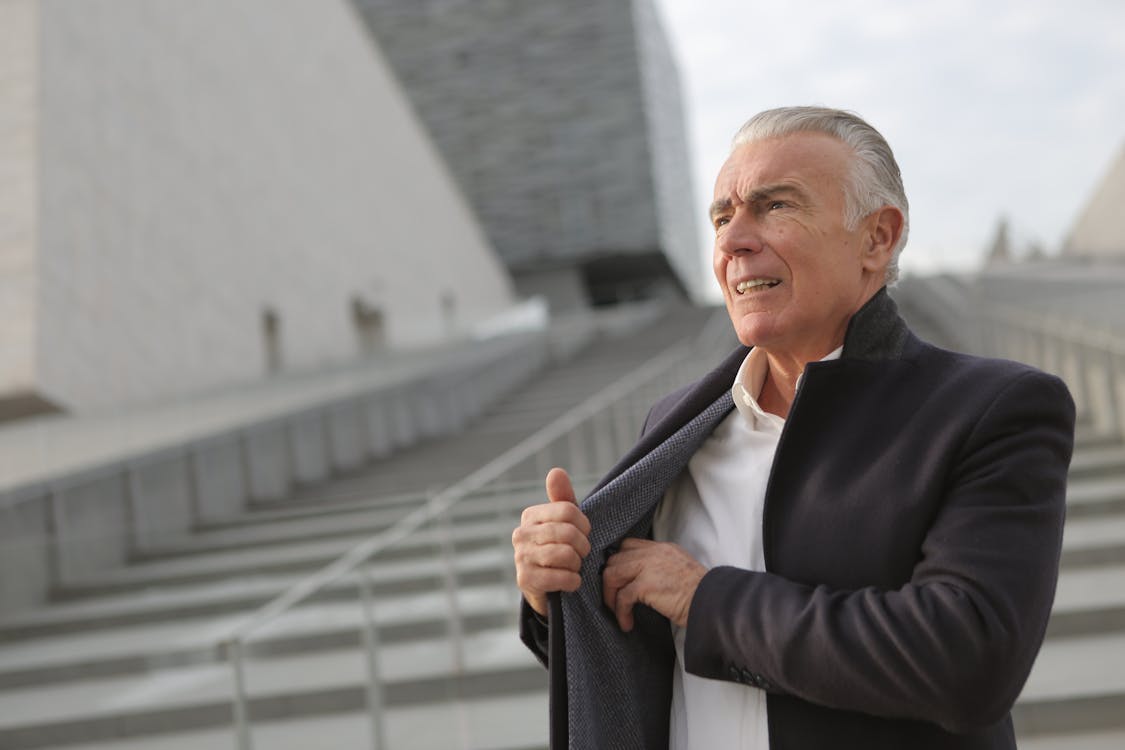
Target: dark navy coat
(912, 532)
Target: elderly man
(841, 537)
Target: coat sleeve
(954, 644)
(533, 632)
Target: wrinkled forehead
(812, 162)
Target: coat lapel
(617, 708)
(626, 503)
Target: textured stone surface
(18, 184)
(201, 163)
(562, 121)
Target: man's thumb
(559, 489)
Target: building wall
(204, 162)
(677, 209)
(18, 185)
(542, 113)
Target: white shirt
(714, 511)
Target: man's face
(792, 275)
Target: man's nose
(741, 235)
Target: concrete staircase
(127, 658)
(1075, 697)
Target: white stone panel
(668, 144)
(18, 115)
(205, 161)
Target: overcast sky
(993, 107)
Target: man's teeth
(745, 286)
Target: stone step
(280, 526)
(489, 565)
(1113, 739)
(328, 503)
(1076, 685)
(276, 530)
(1086, 436)
(248, 533)
(1095, 497)
(1089, 600)
(1104, 461)
(1094, 540)
(516, 722)
(294, 557)
(190, 698)
(319, 626)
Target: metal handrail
(232, 642)
(1089, 357)
(1071, 330)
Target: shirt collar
(750, 379)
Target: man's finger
(559, 512)
(623, 605)
(561, 533)
(559, 489)
(615, 577)
(540, 581)
(550, 556)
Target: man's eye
(721, 221)
(775, 205)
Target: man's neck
(780, 386)
(776, 398)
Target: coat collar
(875, 332)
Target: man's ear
(884, 229)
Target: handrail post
(449, 575)
(505, 523)
(1112, 397)
(1117, 371)
(375, 703)
(241, 708)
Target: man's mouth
(755, 285)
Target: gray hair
(875, 180)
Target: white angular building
(1099, 231)
(194, 194)
(563, 123)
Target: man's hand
(659, 574)
(550, 542)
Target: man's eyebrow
(771, 191)
(718, 206)
(759, 194)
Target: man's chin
(753, 329)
